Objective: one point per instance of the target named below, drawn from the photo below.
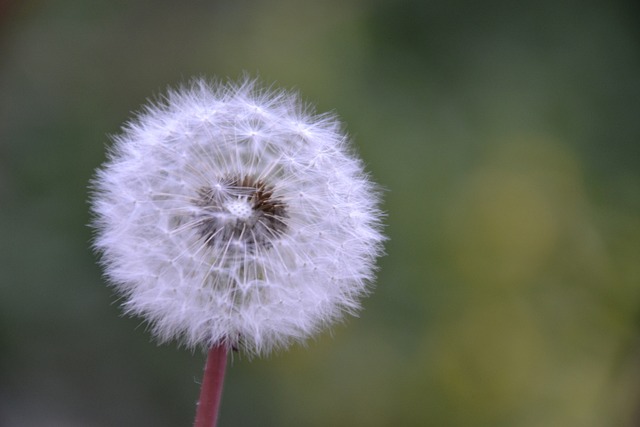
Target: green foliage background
(507, 134)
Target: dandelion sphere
(231, 214)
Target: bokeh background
(506, 134)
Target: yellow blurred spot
(505, 222)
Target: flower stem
(211, 389)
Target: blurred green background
(507, 134)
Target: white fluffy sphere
(230, 214)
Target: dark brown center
(240, 214)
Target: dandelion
(230, 216)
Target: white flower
(230, 214)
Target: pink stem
(211, 389)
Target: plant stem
(211, 389)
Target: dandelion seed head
(229, 213)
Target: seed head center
(240, 208)
(240, 213)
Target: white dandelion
(231, 215)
